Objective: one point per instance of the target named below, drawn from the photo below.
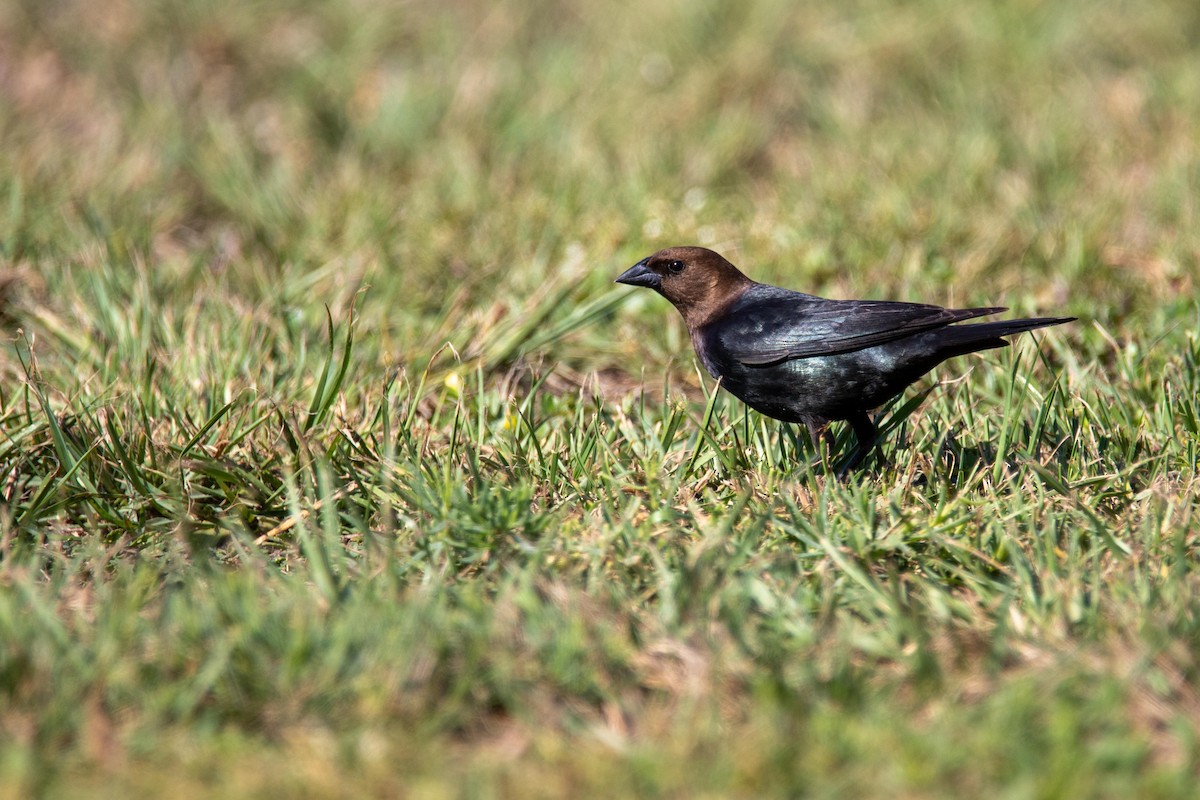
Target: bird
(805, 359)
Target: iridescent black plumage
(801, 358)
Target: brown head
(698, 282)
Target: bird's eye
(676, 267)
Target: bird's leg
(818, 431)
(866, 433)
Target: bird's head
(697, 281)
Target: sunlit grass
(332, 462)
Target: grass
(332, 464)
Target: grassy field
(332, 464)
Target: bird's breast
(704, 352)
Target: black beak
(641, 275)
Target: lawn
(333, 464)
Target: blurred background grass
(239, 532)
(450, 156)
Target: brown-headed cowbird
(801, 358)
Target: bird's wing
(779, 329)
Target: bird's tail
(962, 339)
